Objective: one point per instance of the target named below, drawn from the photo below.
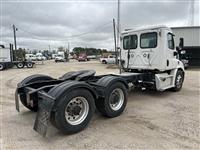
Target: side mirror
(178, 48)
(181, 43)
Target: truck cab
(150, 48)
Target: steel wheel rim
(20, 64)
(179, 81)
(29, 65)
(116, 99)
(72, 115)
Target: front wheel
(178, 81)
(114, 102)
(75, 110)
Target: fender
(108, 80)
(68, 86)
(173, 72)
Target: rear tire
(2, 67)
(20, 65)
(28, 80)
(29, 65)
(70, 117)
(115, 101)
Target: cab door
(171, 52)
(130, 44)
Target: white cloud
(51, 22)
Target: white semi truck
(6, 59)
(149, 61)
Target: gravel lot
(151, 120)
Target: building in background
(191, 44)
(191, 35)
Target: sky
(86, 23)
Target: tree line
(20, 52)
(88, 51)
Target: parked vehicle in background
(30, 57)
(92, 57)
(6, 59)
(108, 60)
(54, 56)
(82, 57)
(59, 58)
(61, 54)
(70, 57)
(40, 57)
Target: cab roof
(145, 28)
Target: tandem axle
(69, 102)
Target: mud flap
(44, 113)
(16, 100)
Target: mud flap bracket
(17, 100)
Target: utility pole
(118, 35)
(49, 48)
(114, 28)
(68, 46)
(14, 32)
(118, 23)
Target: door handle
(148, 55)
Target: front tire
(178, 81)
(115, 101)
(75, 110)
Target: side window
(148, 40)
(170, 41)
(130, 42)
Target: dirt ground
(151, 120)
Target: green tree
(19, 54)
(61, 49)
(88, 51)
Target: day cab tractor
(149, 61)
(7, 59)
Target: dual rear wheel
(21, 65)
(76, 107)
